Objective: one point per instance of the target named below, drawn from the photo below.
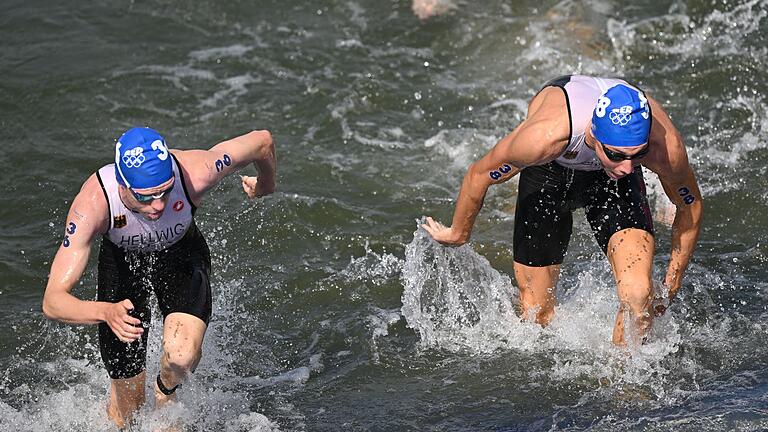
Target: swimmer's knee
(540, 313)
(638, 297)
(180, 361)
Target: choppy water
(332, 311)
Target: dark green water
(376, 116)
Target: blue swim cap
(621, 117)
(142, 160)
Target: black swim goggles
(618, 156)
(149, 198)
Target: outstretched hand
(123, 325)
(441, 233)
(255, 189)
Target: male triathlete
(582, 144)
(142, 208)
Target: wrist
(101, 310)
(459, 237)
(267, 183)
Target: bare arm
(538, 140)
(679, 182)
(686, 196)
(87, 218)
(204, 169)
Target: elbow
(265, 146)
(48, 310)
(476, 177)
(264, 136)
(51, 307)
(697, 212)
(689, 216)
(473, 171)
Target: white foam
(460, 147)
(456, 301)
(387, 144)
(234, 86)
(379, 324)
(349, 43)
(72, 392)
(251, 422)
(720, 33)
(78, 407)
(747, 136)
(296, 376)
(178, 72)
(236, 50)
(378, 268)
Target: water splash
(460, 146)
(456, 301)
(719, 33)
(57, 381)
(378, 268)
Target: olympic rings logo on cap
(621, 116)
(134, 157)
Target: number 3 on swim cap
(602, 104)
(158, 145)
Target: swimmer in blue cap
(143, 166)
(584, 144)
(622, 117)
(142, 160)
(142, 207)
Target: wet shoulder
(668, 154)
(195, 169)
(549, 99)
(91, 205)
(548, 119)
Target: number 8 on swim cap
(621, 117)
(142, 159)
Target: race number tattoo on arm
(499, 172)
(686, 194)
(71, 228)
(221, 163)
